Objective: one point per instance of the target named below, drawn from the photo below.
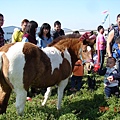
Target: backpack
(115, 51)
(116, 34)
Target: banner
(104, 12)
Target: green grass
(82, 105)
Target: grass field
(80, 105)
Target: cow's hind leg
(21, 95)
(5, 91)
(61, 88)
(46, 96)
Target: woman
(30, 36)
(30, 33)
(44, 36)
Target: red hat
(85, 36)
(92, 37)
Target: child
(110, 87)
(78, 72)
(91, 75)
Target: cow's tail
(2, 56)
(1, 60)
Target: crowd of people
(109, 47)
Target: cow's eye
(84, 50)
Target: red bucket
(96, 67)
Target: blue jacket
(115, 51)
(42, 43)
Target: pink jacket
(100, 42)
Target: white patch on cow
(16, 64)
(88, 48)
(46, 95)
(55, 56)
(61, 88)
(67, 56)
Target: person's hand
(110, 78)
(110, 55)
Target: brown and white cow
(23, 65)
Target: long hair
(31, 28)
(44, 26)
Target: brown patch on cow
(69, 36)
(37, 63)
(49, 79)
(5, 69)
(38, 71)
(6, 47)
(5, 91)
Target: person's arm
(109, 40)
(38, 42)
(102, 72)
(15, 36)
(75, 68)
(63, 32)
(114, 77)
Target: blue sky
(73, 14)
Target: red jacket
(78, 68)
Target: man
(111, 41)
(18, 34)
(58, 31)
(112, 36)
(1, 30)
